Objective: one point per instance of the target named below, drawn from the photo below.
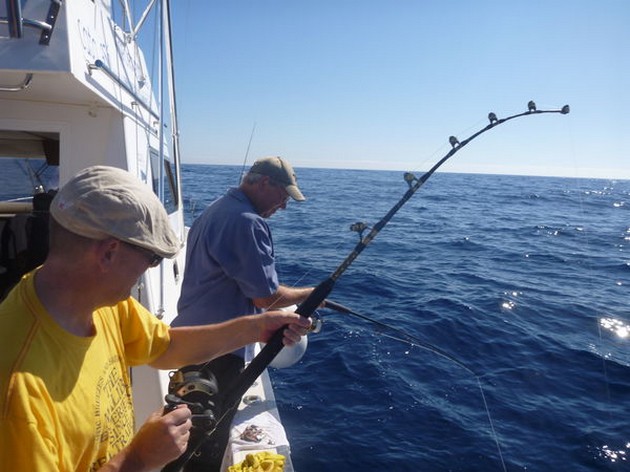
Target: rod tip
(565, 110)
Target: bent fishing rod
(319, 294)
(233, 393)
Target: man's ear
(107, 251)
(265, 181)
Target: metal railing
(100, 65)
(16, 88)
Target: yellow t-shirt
(65, 400)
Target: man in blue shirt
(230, 268)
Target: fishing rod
(319, 294)
(233, 393)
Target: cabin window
(169, 181)
(22, 178)
(29, 163)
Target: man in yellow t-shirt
(70, 330)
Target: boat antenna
(251, 136)
(239, 386)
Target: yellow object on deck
(263, 461)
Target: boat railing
(100, 65)
(16, 88)
(17, 22)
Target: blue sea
(524, 280)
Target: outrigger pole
(233, 393)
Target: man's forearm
(197, 344)
(284, 296)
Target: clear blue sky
(382, 84)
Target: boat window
(169, 182)
(29, 163)
(22, 178)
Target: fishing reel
(198, 389)
(317, 322)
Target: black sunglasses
(154, 259)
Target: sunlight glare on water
(616, 326)
(614, 456)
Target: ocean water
(524, 280)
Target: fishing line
(251, 136)
(407, 338)
(586, 240)
(600, 350)
(400, 334)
